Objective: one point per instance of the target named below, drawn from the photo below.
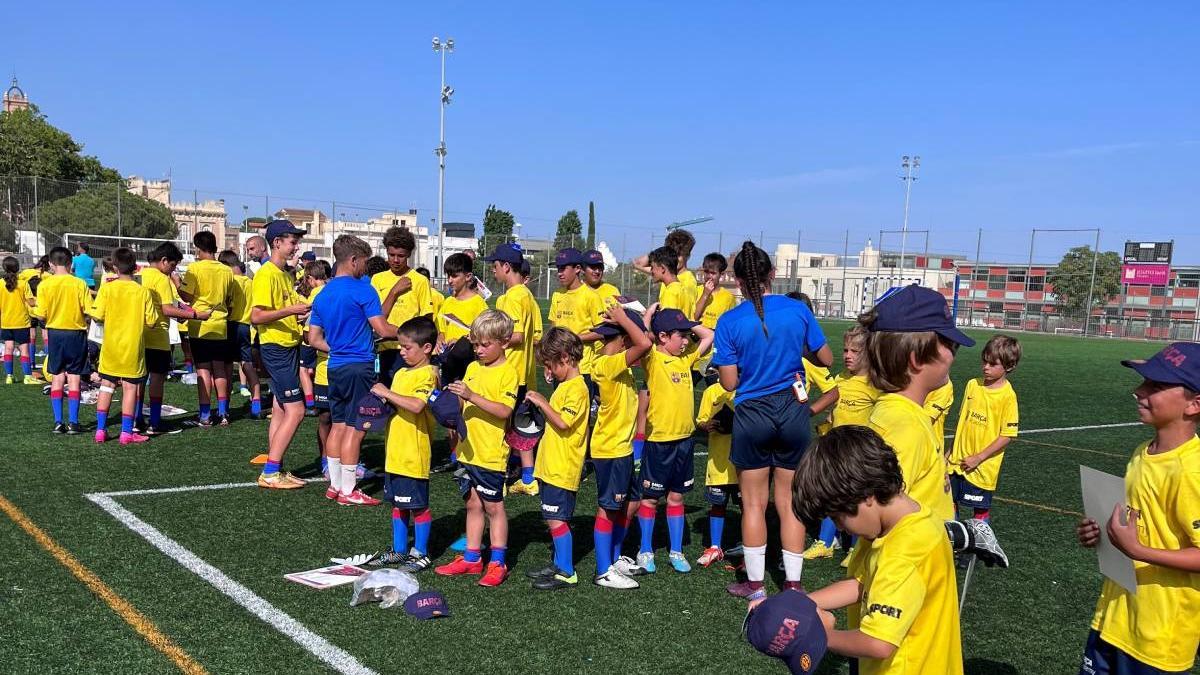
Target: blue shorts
(557, 503)
(967, 494)
(206, 350)
(321, 396)
(720, 495)
(1101, 658)
(488, 484)
(241, 345)
(613, 479)
(406, 492)
(308, 357)
(283, 369)
(67, 351)
(347, 384)
(17, 335)
(158, 361)
(668, 467)
(770, 431)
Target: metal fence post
(1087, 316)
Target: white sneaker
(614, 579)
(646, 562)
(626, 567)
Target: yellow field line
(1034, 505)
(1071, 447)
(136, 620)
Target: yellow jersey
(856, 398)
(690, 285)
(484, 445)
(28, 275)
(670, 416)
(720, 471)
(616, 418)
(211, 286)
(909, 597)
(239, 306)
(579, 310)
(416, 302)
(986, 414)
(819, 377)
(162, 292)
(607, 292)
(127, 311)
(464, 310)
(937, 405)
(273, 289)
(1159, 625)
(14, 305)
(560, 452)
(436, 298)
(408, 434)
(518, 303)
(906, 427)
(63, 300)
(721, 301)
(321, 368)
(676, 296)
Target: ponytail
(752, 267)
(11, 267)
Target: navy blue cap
(569, 256)
(787, 627)
(916, 309)
(427, 605)
(608, 330)
(667, 320)
(528, 426)
(373, 413)
(280, 228)
(308, 256)
(447, 411)
(509, 253)
(1177, 363)
(593, 257)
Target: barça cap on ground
(569, 256)
(1177, 363)
(667, 320)
(427, 605)
(373, 413)
(508, 253)
(916, 309)
(787, 627)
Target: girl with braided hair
(759, 346)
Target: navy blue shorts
(206, 350)
(321, 396)
(668, 467)
(1101, 658)
(17, 335)
(406, 492)
(557, 503)
(347, 384)
(158, 361)
(967, 494)
(613, 478)
(67, 353)
(308, 357)
(488, 484)
(241, 345)
(35, 322)
(770, 431)
(283, 369)
(720, 495)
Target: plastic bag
(388, 587)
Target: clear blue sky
(773, 118)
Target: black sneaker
(387, 558)
(59, 428)
(416, 563)
(223, 420)
(162, 430)
(141, 427)
(543, 573)
(444, 467)
(74, 428)
(983, 543)
(557, 581)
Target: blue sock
(127, 424)
(716, 525)
(222, 406)
(564, 546)
(472, 555)
(155, 412)
(138, 410)
(101, 419)
(620, 527)
(527, 474)
(400, 530)
(828, 531)
(646, 516)
(271, 467)
(499, 555)
(8, 365)
(422, 524)
(638, 444)
(56, 406)
(324, 464)
(603, 533)
(205, 410)
(27, 366)
(255, 406)
(73, 407)
(675, 526)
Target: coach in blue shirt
(84, 265)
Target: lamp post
(442, 48)
(911, 167)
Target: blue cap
(1177, 363)
(447, 411)
(308, 256)
(916, 309)
(593, 257)
(569, 256)
(373, 413)
(787, 627)
(427, 605)
(667, 320)
(509, 253)
(281, 228)
(608, 330)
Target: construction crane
(685, 223)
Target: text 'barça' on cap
(667, 320)
(788, 627)
(1177, 363)
(569, 256)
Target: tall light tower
(912, 167)
(442, 48)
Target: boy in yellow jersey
(713, 300)
(1156, 628)
(32, 277)
(673, 294)
(62, 302)
(127, 311)
(668, 454)
(682, 242)
(208, 286)
(901, 593)
(241, 332)
(987, 422)
(937, 406)
(436, 296)
(15, 326)
(316, 274)
(617, 489)
(561, 450)
(593, 276)
(406, 463)
(575, 306)
(457, 313)
(720, 476)
(488, 393)
(403, 294)
(159, 280)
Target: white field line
(330, 654)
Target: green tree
(31, 146)
(1071, 279)
(591, 235)
(497, 229)
(570, 231)
(93, 210)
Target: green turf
(1031, 618)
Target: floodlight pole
(445, 92)
(911, 167)
(1087, 314)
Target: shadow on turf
(987, 667)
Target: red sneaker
(357, 498)
(496, 574)
(744, 589)
(793, 586)
(459, 566)
(331, 494)
(126, 439)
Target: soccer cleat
(129, 438)
(627, 567)
(793, 586)
(416, 562)
(388, 558)
(161, 431)
(458, 567)
(443, 467)
(310, 412)
(8, 379)
(29, 379)
(101, 435)
(646, 562)
(74, 428)
(559, 580)
(357, 498)
(361, 472)
(223, 421)
(735, 551)
(984, 543)
(204, 423)
(711, 555)
(260, 459)
(819, 551)
(527, 489)
(293, 479)
(744, 589)
(331, 494)
(276, 481)
(542, 573)
(244, 392)
(496, 574)
(614, 579)
(679, 562)
(459, 544)
(59, 428)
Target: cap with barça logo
(787, 627)
(667, 320)
(427, 605)
(916, 309)
(569, 256)
(372, 413)
(508, 253)
(1178, 363)
(593, 257)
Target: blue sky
(775, 118)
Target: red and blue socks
(73, 406)
(256, 406)
(603, 534)
(422, 524)
(8, 364)
(646, 515)
(639, 442)
(716, 525)
(56, 405)
(983, 514)
(564, 549)
(27, 365)
(309, 401)
(499, 555)
(101, 418)
(620, 521)
(675, 526)
(399, 530)
(472, 555)
(126, 425)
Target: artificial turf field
(1031, 618)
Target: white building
(190, 216)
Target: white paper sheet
(1101, 493)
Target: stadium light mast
(442, 48)
(912, 167)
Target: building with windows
(190, 216)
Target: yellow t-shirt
(721, 301)
(484, 445)
(560, 453)
(321, 369)
(62, 300)
(607, 292)
(127, 311)
(272, 290)
(676, 296)
(720, 471)
(937, 405)
(416, 302)
(1160, 624)
(616, 419)
(579, 310)
(670, 416)
(856, 398)
(239, 307)
(906, 427)
(27, 275)
(211, 286)
(162, 292)
(986, 414)
(436, 298)
(518, 303)
(688, 279)
(909, 598)
(408, 434)
(14, 305)
(819, 377)
(464, 310)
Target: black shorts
(1102, 658)
(389, 362)
(16, 335)
(206, 350)
(488, 484)
(406, 492)
(770, 431)
(321, 396)
(557, 503)
(613, 479)
(158, 361)
(721, 495)
(668, 467)
(283, 369)
(347, 384)
(308, 356)
(118, 380)
(35, 322)
(241, 346)
(67, 352)
(966, 493)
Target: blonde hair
(888, 354)
(492, 324)
(1004, 350)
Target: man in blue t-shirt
(343, 317)
(84, 265)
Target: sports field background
(1031, 618)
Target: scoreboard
(1148, 252)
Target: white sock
(349, 478)
(335, 472)
(756, 562)
(793, 565)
